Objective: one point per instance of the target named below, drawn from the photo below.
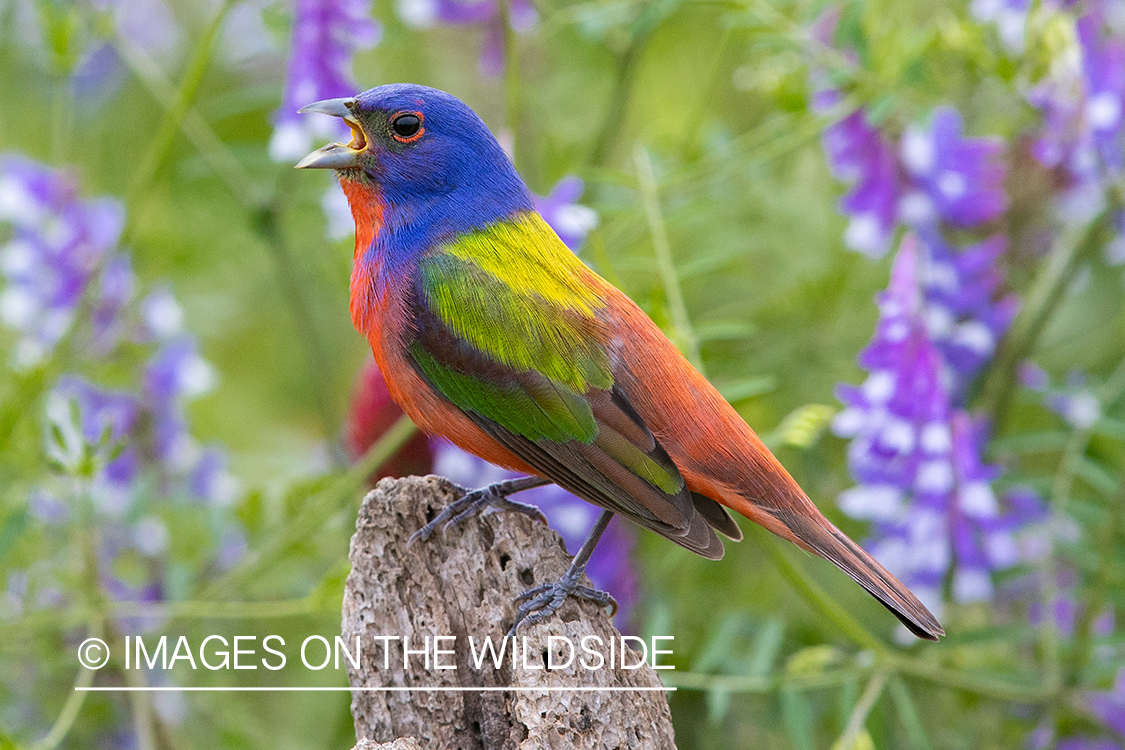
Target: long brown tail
(819, 536)
(803, 524)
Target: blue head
(427, 157)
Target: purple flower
(1083, 109)
(963, 315)
(425, 14)
(917, 458)
(1103, 73)
(934, 177)
(560, 208)
(161, 315)
(210, 481)
(941, 178)
(1075, 402)
(954, 179)
(1010, 17)
(326, 34)
(1109, 705)
(58, 243)
(858, 153)
(114, 415)
(611, 567)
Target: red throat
(367, 211)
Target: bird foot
(474, 502)
(540, 602)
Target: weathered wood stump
(463, 587)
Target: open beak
(336, 155)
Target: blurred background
(890, 231)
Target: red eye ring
(407, 126)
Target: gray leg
(538, 603)
(476, 501)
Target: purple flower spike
(858, 153)
(956, 179)
(611, 567)
(916, 458)
(326, 34)
(560, 208)
(1103, 72)
(58, 243)
(963, 315)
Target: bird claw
(540, 602)
(475, 502)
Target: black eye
(406, 126)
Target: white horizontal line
(391, 689)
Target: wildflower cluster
(917, 456)
(326, 35)
(130, 448)
(1081, 101)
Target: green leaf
(1097, 476)
(737, 390)
(797, 713)
(1032, 442)
(766, 648)
(717, 648)
(718, 703)
(813, 660)
(909, 715)
(862, 741)
(702, 264)
(1110, 428)
(802, 427)
(725, 330)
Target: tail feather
(819, 536)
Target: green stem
(1061, 488)
(317, 510)
(862, 710)
(683, 331)
(293, 291)
(94, 601)
(216, 153)
(143, 715)
(819, 599)
(172, 121)
(909, 715)
(1094, 605)
(62, 116)
(511, 76)
(970, 683)
(73, 706)
(1046, 293)
(761, 685)
(619, 98)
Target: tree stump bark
(463, 586)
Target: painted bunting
(492, 334)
